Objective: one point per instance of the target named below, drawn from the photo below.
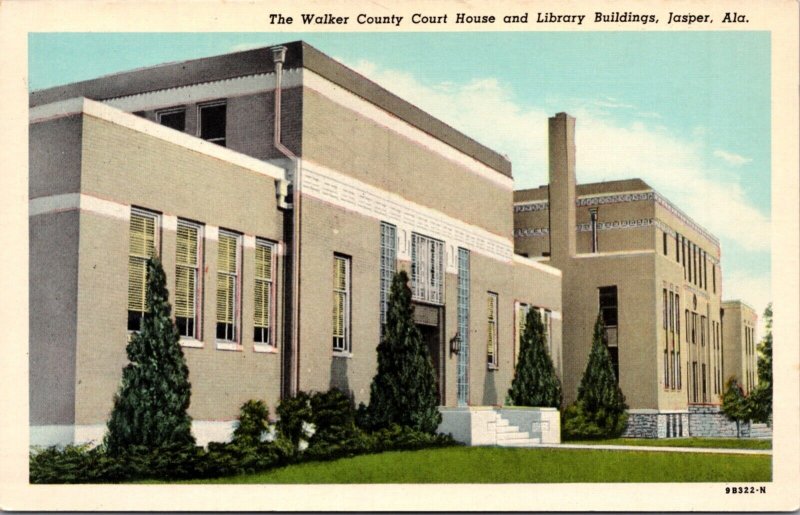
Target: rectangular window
(702, 331)
(427, 269)
(491, 331)
(264, 293)
(664, 238)
(173, 118)
(341, 304)
(522, 315)
(678, 341)
(227, 286)
(608, 310)
(142, 245)
(388, 265)
(188, 247)
(714, 277)
(705, 270)
(677, 248)
(213, 122)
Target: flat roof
(592, 188)
(258, 61)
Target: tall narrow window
(677, 247)
(341, 304)
(491, 331)
(678, 340)
(187, 279)
(522, 314)
(427, 269)
(227, 286)
(173, 118)
(213, 122)
(608, 310)
(664, 324)
(264, 273)
(714, 277)
(388, 265)
(462, 378)
(142, 245)
(664, 238)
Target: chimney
(562, 187)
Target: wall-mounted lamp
(455, 344)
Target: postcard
(440, 256)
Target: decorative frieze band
(531, 232)
(347, 193)
(617, 198)
(669, 206)
(618, 224)
(537, 205)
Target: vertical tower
(562, 188)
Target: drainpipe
(278, 58)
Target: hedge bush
(325, 421)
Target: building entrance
(429, 322)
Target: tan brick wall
(131, 168)
(634, 276)
(327, 230)
(52, 298)
(55, 157)
(347, 142)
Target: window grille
(462, 380)
(491, 333)
(341, 304)
(143, 245)
(262, 313)
(427, 269)
(388, 265)
(187, 266)
(227, 286)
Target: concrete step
(517, 435)
(501, 422)
(507, 429)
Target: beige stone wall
(52, 298)
(634, 276)
(55, 158)
(340, 139)
(326, 231)
(130, 168)
(740, 358)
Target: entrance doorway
(430, 324)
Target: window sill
(342, 354)
(192, 343)
(229, 346)
(493, 367)
(268, 349)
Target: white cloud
(675, 165)
(731, 158)
(245, 46)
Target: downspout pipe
(278, 58)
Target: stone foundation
(204, 431)
(709, 421)
(655, 424)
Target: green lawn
(504, 465)
(718, 443)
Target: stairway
(511, 436)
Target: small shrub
(292, 413)
(252, 424)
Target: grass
(508, 465)
(716, 443)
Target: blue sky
(689, 112)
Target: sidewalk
(703, 450)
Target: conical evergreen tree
(535, 381)
(403, 390)
(150, 407)
(599, 411)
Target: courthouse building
(281, 191)
(654, 276)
